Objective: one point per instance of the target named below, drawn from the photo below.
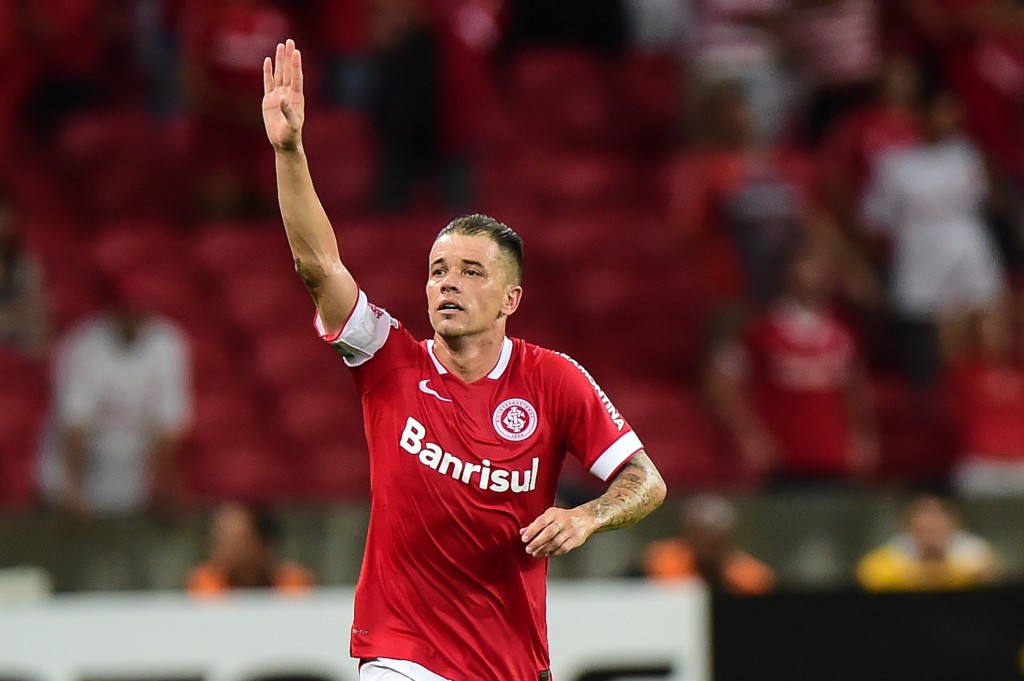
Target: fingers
(553, 533)
(268, 75)
(279, 65)
(297, 72)
(286, 68)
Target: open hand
(557, 531)
(283, 103)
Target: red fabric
(70, 35)
(989, 409)
(702, 183)
(446, 581)
(229, 41)
(797, 380)
(860, 140)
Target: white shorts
(386, 669)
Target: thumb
(290, 114)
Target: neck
(470, 357)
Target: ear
(513, 294)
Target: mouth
(449, 306)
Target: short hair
(510, 243)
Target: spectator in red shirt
(986, 392)
(838, 50)
(979, 47)
(790, 388)
(858, 140)
(222, 42)
(738, 202)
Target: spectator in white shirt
(121, 403)
(928, 201)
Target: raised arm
(314, 247)
(633, 494)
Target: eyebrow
(477, 263)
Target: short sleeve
(879, 208)
(174, 405)
(76, 379)
(593, 429)
(364, 333)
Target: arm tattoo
(634, 493)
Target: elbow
(312, 272)
(658, 491)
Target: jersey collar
(497, 372)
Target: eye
(472, 273)
(437, 272)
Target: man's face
(234, 544)
(469, 285)
(931, 526)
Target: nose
(449, 284)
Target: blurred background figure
(863, 134)
(705, 549)
(244, 544)
(428, 84)
(932, 553)
(790, 388)
(986, 393)
(837, 51)
(24, 323)
(121, 404)
(738, 200)
(738, 41)
(223, 46)
(928, 201)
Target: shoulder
(668, 559)
(292, 577)
(166, 332)
(972, 548)
(206, 580)
(553, 367)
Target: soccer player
(467, 434)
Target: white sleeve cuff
(616, 455)
(363, 334)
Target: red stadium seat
(563, 95)
(261, 303)
(341, 158)
(137, 246)
(298, 359)
(225, 416)
(241, 248)
(676, 431)
(321, 418)
(336, 472)
(20, 426)
(245, 469)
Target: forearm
(310, 236)
(74, 459)
(635, 493)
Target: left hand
(557, 531)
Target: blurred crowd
(785, 235)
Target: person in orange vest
(705, 549)
(243, 543)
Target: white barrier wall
(593, 626)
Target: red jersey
(989, 403)
(456, 469)
(799, 365)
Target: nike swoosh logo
(430, 391)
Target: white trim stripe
(617, 454)
(503, 360)
(430, 351)
(359, 307)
